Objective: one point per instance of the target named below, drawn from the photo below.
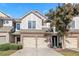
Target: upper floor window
(32, 24)
(18, 26)
(72, 25)
(1, 21)
(6, 22)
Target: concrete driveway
(37, 52)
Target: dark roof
(35, 31)
(16, 33)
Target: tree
(61, 18)
(76, 9)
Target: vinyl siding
(31, 17)
(9, 23)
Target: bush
(4, 47)
(20, 46)
(15, 47)
(11, 46)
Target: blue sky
(16, 10)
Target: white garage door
(42, 43)
(35, 42)
(2, 40)
(29, 42)
(71, 43)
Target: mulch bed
(64, 50)
(67, 52)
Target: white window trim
(6, 22)
(16, 26)
(32, 26)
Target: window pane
(29, 24)
(72, 24)
(18, 26)
(34, 24)
(6, 22)
(1, 21)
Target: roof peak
(35, 11)
(4, 15)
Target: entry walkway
(37, 52)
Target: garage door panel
(2, 39)
(42, 43)
(71, 43)
(29, 42)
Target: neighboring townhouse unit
(33, 31)
(6, 27)
(72, 40)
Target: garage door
(42, 43)
(35, 43)
(29, 42)
(71, 43)
(2, 40)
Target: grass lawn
(7, 53)
(68, 52)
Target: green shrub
(13, 47)
(20, 46)
(10, 46)
(4, 47)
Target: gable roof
(35, 12)
(4, 16)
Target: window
(72, 24)
(32, 24)
(1, 21)
(18, 26)
(6, 22)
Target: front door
(55, 42)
